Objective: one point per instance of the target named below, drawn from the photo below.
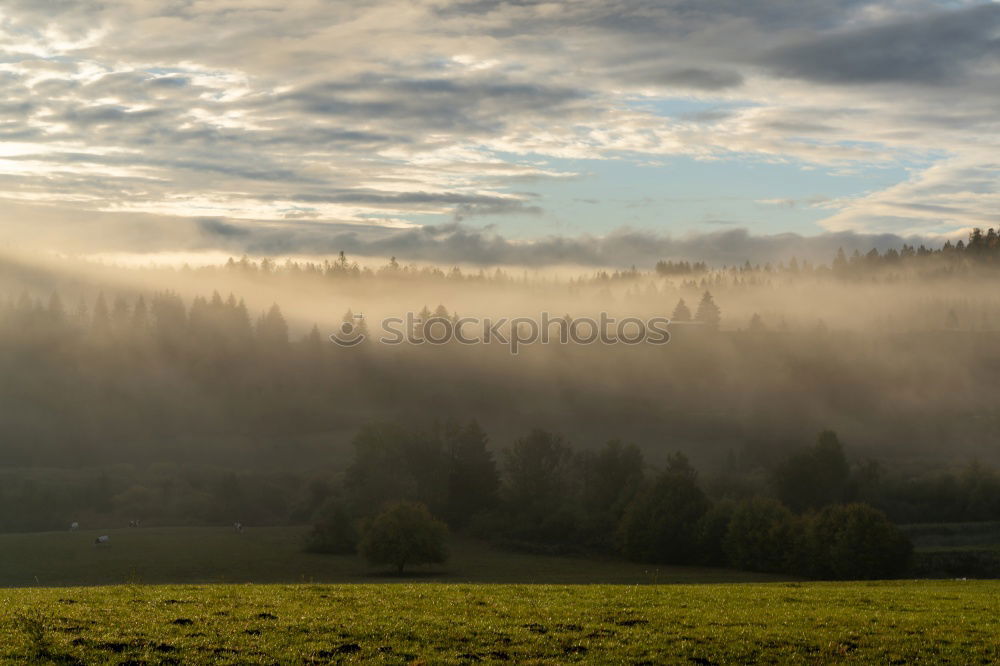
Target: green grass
(79, 612)
(274, 555)
(876, 623)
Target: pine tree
(708, 312)
(100, 323)
(81, 316)
(140, 315)
(312, 345)
(420, 325)
(120, 315)
(840, 262)
(272, 329)
(681, 312)
(357, 322)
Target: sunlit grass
(898, 622)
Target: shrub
(855, 541)
(404, 533)
(761, 536)
(973, 563)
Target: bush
(404, 533)
(971, 563)
(334, 532)
(855, 541)
(761, 536)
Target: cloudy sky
(582, 131)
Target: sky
(581, 132)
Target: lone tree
(404, 533)
(708, 312)
(682, 312)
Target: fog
(192, 394)
(897, 357)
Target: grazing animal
(74, 526)
(238, 526)
(133, 523)
(103, 540)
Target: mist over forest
(120, 381)
(625, 329)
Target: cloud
(814, 200)
(955, 194)
(697, 78)
(936, 48)
(458, 244)
(449, 244)
(338, 114)
(467, 105)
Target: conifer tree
(708, 312)
(272, 329)
(681, 312)
(100, 322)
(140, 315)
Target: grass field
(78, 611)
(274, 555)
(877, 623)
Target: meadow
(210, 595)
(274, 555)
(786, 622)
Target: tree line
(540, 494)
(154, 379)
(981, 248)
(815, 517)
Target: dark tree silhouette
(404, 533)
(815, 477)
(661, 524)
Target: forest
(199, 395)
